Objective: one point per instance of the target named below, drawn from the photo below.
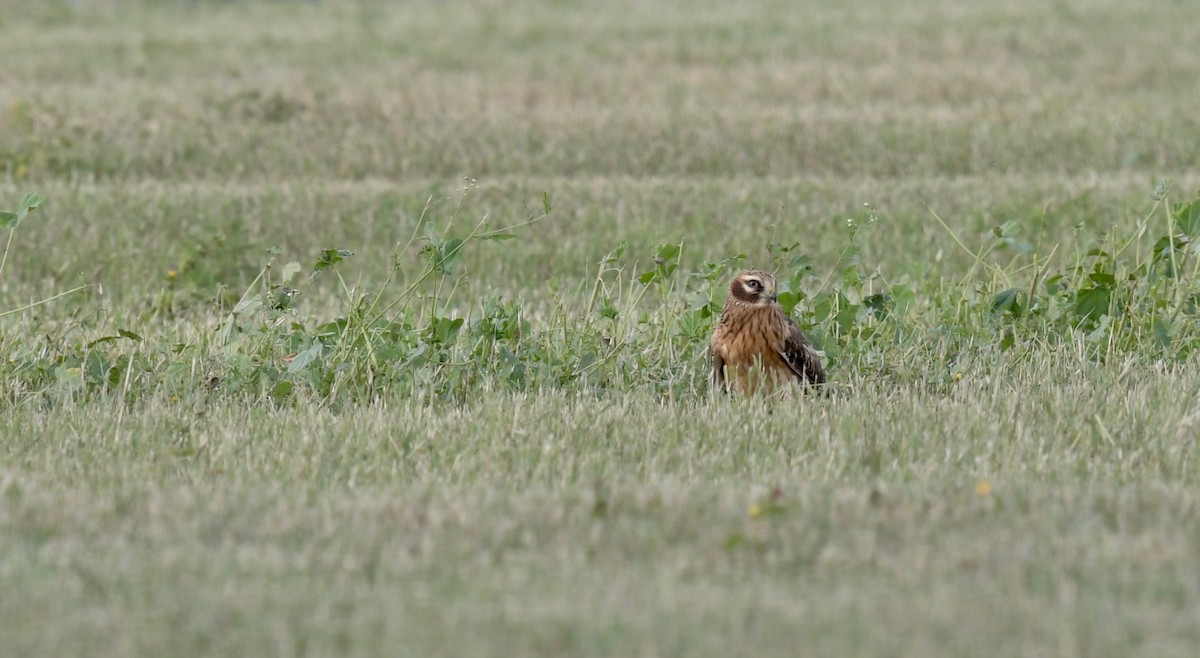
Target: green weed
(643, 326)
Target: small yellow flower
(983, 488)
(755, 511)
(958, 376)
(171, 274)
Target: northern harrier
(756, 345)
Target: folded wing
(801, 357)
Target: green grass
(509, 446)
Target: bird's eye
(752, 284)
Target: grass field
(484, 427)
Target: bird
(756, 347)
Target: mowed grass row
(138, 239)
(999, 472)
(263, 92)
(979, 523)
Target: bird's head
(753, 287)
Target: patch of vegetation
(645, 325)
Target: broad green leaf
(248, 305)
(1187, 217)
(229, 329)
(290, 270)
(878, 303)
(667, 253)
(333, 329)
(282, 389)
(68, 378)
(1164, 331)
(305, 358)
(1164, 246)
(822, 308)
(1091, 303)
(31, 201)
(121, 333)
(799, 265)
(1008, 301)
(331, 257)
(615, 255)
(9, 219)
(904, 299)
(443, 330)
(451, 252)
(1102, 331)
(788, 301)
(780, 248)
(442, 256)
(846, 317)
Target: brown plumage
(756, 346)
